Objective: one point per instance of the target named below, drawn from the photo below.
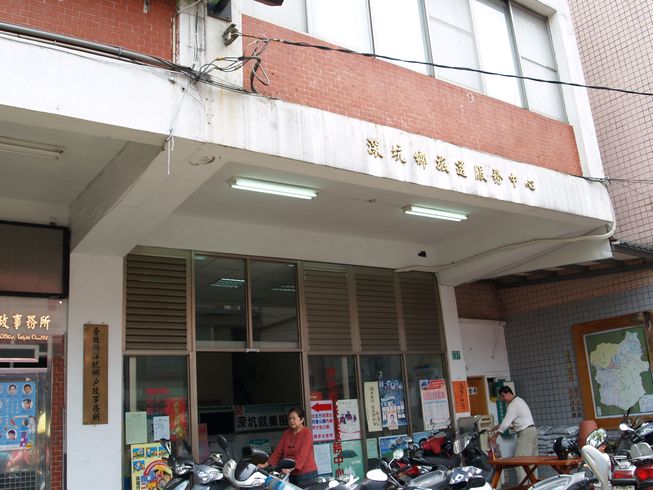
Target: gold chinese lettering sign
(17, 326)
(96, 375)
(439, 164)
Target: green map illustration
(619, 370)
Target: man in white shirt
(519, 417)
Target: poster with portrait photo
(17, 415)
(393, 406)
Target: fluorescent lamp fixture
(273, 188)
(28, 148)
(228, 282)
(434, 213)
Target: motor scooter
(598, 462)
(437, 478)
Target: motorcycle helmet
(565, 447)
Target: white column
(457, 367)
(94, 452)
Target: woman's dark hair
(299, 411)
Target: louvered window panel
(326, 296)
(156, 303)
(377, 310)
(421, 311)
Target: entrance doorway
(478, 395)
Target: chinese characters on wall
(440, 164)
(96, 351)
(24, 326)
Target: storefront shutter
(421, 311)
(326, 297)
(377, 310)
(156, 303)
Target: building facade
(196, 307)
(541, 318)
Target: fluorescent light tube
(20, 147)
(273, 188)
(434, 213)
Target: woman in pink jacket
(297, 444)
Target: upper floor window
(490, 35)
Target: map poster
(619, 371)
(435, 405)
(393, 408)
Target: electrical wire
(439, 65)
(610, 180)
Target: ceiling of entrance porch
(349, 204)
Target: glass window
(425, 367)
(391, 35)
(220, 301)
(453, 42)
(292, 14)
(157, 386)
(494, 41)
(246, 398)
(274, 303)
(333, 378)
(341, 22)
(383, 380)
(537, 61)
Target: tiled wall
(538, 331)
(542, 356)
(616, 44)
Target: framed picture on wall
(614, 367)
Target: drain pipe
(76, 42)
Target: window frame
(509, 6)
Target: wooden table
(530, 464)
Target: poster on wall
(372, 448)
(348, 419)
(372, 406)
(322, 421)
(393, 410)
(619, 371)
(460, 396)
(352, 459)
(435, 405)
(149, 471)
(158, 402)
(390, 443)
(17, 415)
(323, 459)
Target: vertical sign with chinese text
(96, 357)
(460, 396)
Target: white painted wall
(457, 371)
(94, 453)
(484, 347)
